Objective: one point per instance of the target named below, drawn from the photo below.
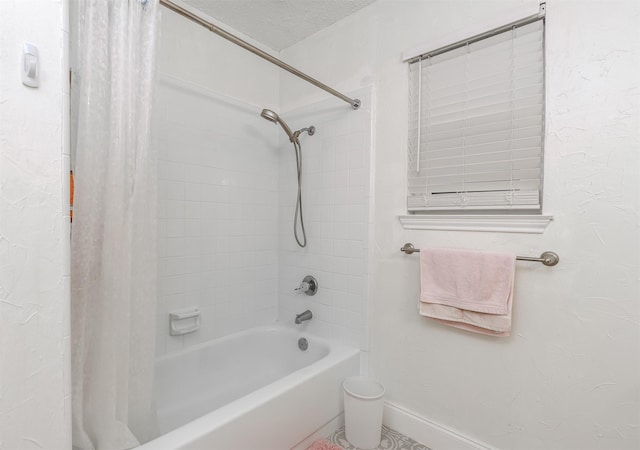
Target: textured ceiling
(278, 23)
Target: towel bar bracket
(547, 258)
(409, 249)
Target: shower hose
(298, 213)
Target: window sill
(529, 223)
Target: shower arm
(310, 131)
(354, 102)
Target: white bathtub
(251, 390)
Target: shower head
(273, 117)
(269, 115)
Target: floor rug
(323, 444)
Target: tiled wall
(336, 197)
(218, 212)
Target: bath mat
(323, 444)
(390, 440)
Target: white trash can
(363, 404)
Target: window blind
(476, 124)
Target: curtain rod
(355, 103)
(542, 11)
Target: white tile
(356, 285)
(340, 230)
(356, 213)
(170, 285)
(213, 193)
(192, 282)
(342, 196)
(169, 170)
(174, 246)
(174, 190)
(175, 209)
(173, 228)
(193, 246)
(356, 158)
(342, 213)
(358, 177)
(356, 249)
(356, 195)
(192, 228)
(340, 249)
(192, 191)
(357, 231)
(343, 154)
(192, 210)
(355, 266)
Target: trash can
(363, 411)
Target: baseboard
(322, 432)
(429, 433)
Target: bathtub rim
(289, 329)
(197, 428)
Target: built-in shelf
(460, 222)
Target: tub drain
(303, 344)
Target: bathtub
(252, 390)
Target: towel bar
(547, 258)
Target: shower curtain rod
(355, 103)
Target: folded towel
(466, 289)
(482, 323)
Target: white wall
(568, 377)
(335, 197)
(218, 184)
(34, 232)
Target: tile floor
(391, 440)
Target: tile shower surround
(336, 179)
(218, 203)
(227, 193)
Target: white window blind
(476, 124)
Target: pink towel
(466, 289)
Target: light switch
(30, 65)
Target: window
(476, 124)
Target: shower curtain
(113, 243)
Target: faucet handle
(309, 285)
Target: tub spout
(307, 315)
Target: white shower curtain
(113, 243)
